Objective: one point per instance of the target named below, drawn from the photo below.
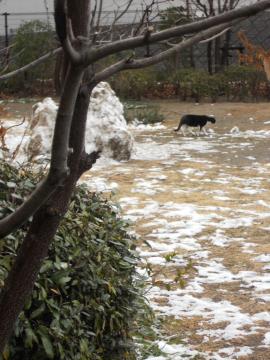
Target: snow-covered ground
(206, 201)
(203, 206)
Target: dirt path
(203, 204)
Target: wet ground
(203, 206)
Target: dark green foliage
(134, 84)
(191, 83)
(32, 40)
(87, 301)
(143, 113)
(244, 82)
(172, 16)
(236, 83)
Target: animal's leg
(198, 133)
(183, 129)
(205, 131)
(192, 132)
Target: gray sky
(38, 5)
(24, 5)
(30, 6)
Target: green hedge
(234, 83)
(88, 300)
(144, 113)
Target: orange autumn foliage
(255, 55)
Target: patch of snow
(266, 340)
(263, 258)
(135, 125)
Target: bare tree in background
(209, 8)
(84, 46)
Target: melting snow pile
(106, 128)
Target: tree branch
(64, 31)
(87, 161)
(131, 43)
(129, 63)
(140, 63)
(216, 35)
(31, 65)
(109, 71)
(122, 13)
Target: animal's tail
(179, 126)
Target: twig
(92, 55)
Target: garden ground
(203, 206)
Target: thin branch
(93, 15)
(5, 49)
(109, 71)
(140, 63)
(99, 14)
(216, 36)
(122, 13)
(202, 7)
(129, 63)
(64, 31)
(95, 54)
(31, 65)
(96, 28)
(73, 55)
(144, 16)
(225, 5)
(70, 31)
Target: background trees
(217, 53)
(32, 39)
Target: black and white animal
(189, 120)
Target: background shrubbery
(87, 302)
(234, 83)
(32, 40)
(165, 81)
(144, 113)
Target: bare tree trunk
(191, 57)
(20, 282)
(209, 58)
(176, 60)
(217, 55)
(225, 52)
(61, 68)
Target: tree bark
(191, 58)
(225, 52)
(209, 58)
(217, 55)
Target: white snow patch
(263, 258)
(266, 340)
